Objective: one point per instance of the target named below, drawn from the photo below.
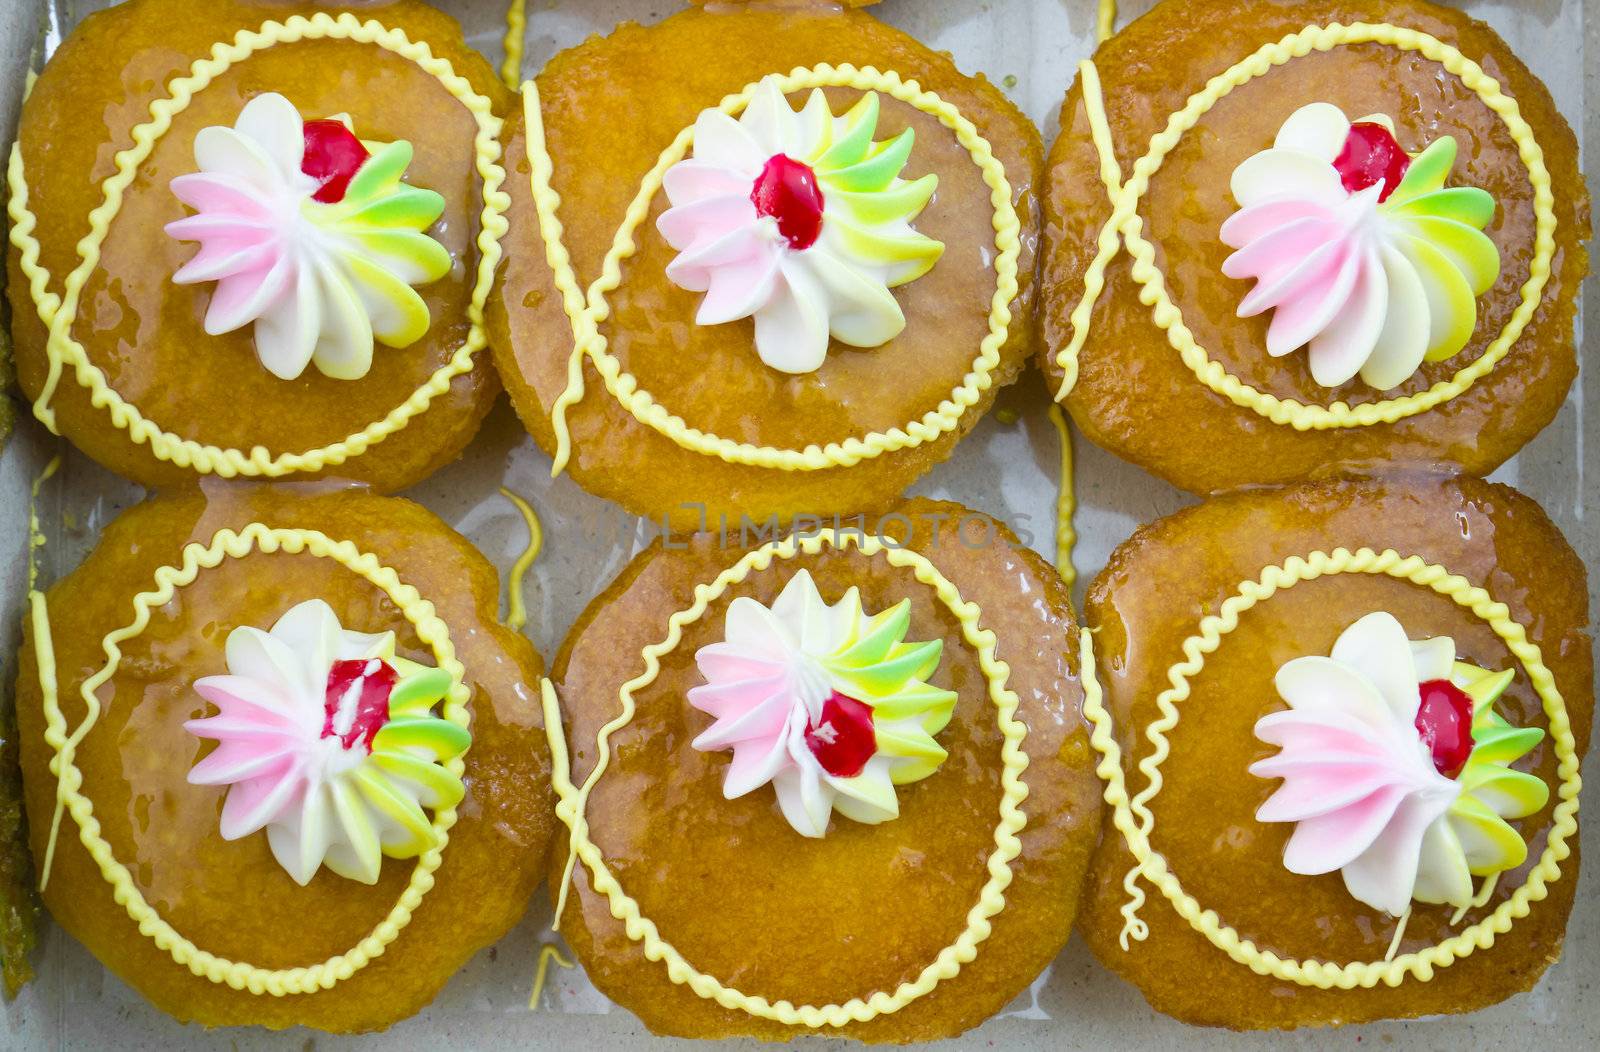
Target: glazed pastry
(1373, 762)
(1367, 250)
(309, 711)
(816, 794)
(296, 230)
(818, 289)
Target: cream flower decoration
(1396, 769)
(799, 220)
(326, 739)
(1360, 251)
(311, 238)
(829, 705)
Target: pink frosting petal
(754, 764)
(718, 661)
(1320, 295)
(239, 761)
(738, 292)
(705, 221)
(693, 180)
(243, 698)
(1258, 221)
(723, 697)
(759, 718)
(252, 804)
(221, 194)
(1324, 843)
(220, 258)
(693, 267)
(1285, 262)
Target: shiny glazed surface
(147, 333)
(232, 898)
(1151, 597)
(1135, 395)
(610, 106)
(747, 899)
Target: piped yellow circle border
(1135, 821)
(587, 314)
(573, 800)
(59, 312)
(1126, 224)
(228, 544)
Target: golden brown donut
(747, 899)
(610, 106)
(1152, 596)
(146, 332)
(232, 898)
(1136, 396)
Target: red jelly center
(1444, 719)
(787, 191)
(356, 703)
(843, 740)
(333, 155)
(1371, 155)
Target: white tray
(1030, 48)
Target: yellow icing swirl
(587, 313)
(1125, 225)
(1066, 501)
(227, 544)
(59, 312)
(516, 30)
(1106, 20)
(573, 800)
(1134, 819)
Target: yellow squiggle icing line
(1066, 502)
(547, 953)
(256, 536)
(547, 204)
(36, 543)
(516, 28)
(60, 313)
(590, 343)
(1106, 22)
(517, 612)
(1135, 821)
(573, 800)
(1126, 222)
(36, 537)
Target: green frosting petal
(875, 172)
(1503, 744)
(877, 667)
(420, 688)
(1464, 204)
(1427, 173)
(404, 206)
(852, 146)
(878, 638)
(443, 739)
